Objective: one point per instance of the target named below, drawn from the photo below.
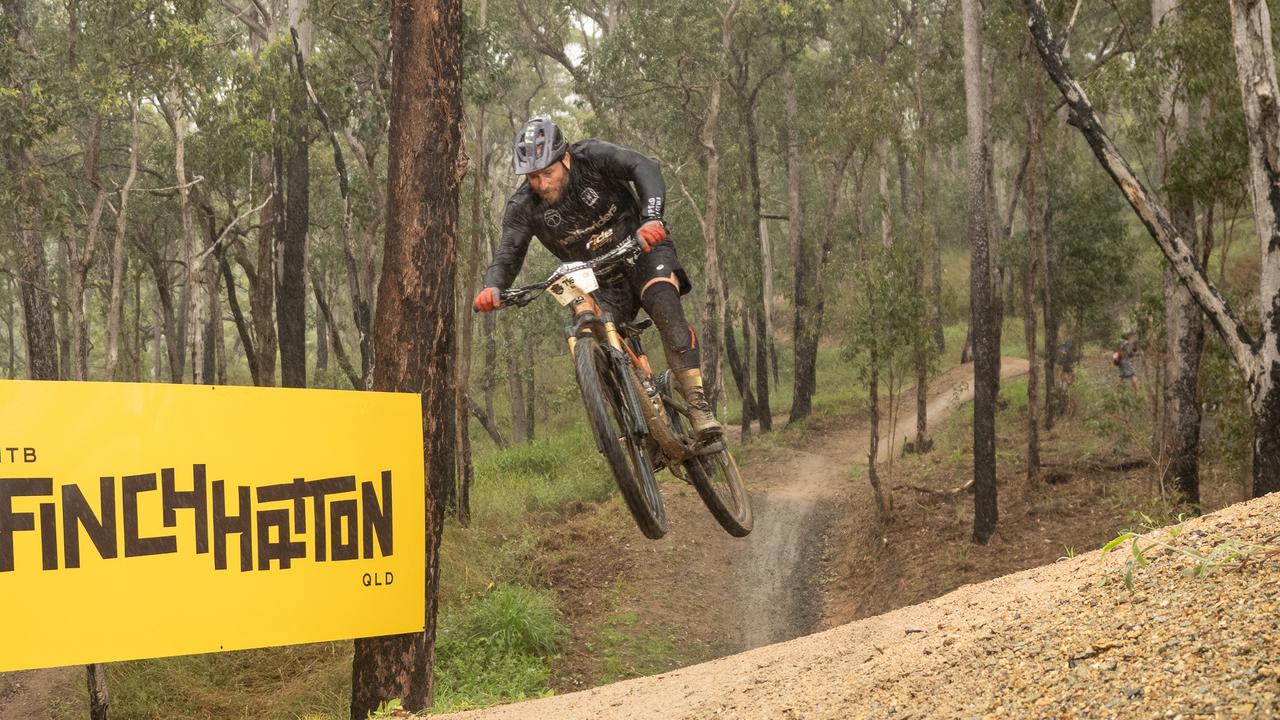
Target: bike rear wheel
(613, 425)
(715, 476)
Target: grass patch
(630, 647)
(272, 682)
(498, 648)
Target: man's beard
(550, 199)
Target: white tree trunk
(115, 316)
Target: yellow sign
(142, 521)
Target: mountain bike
(639, 421)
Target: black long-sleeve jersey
(597, 210)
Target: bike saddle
(635, 328)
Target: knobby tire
(611, 422)
(716, 478)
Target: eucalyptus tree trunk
(261, 271)
(1054, 397)
(470, 286)
(1251, 28)
(115, 315)
(804, 273)
(10, 321)
(81, 256)
(981, 307)
(740, 367)
(261, 275)
(413, 328)
(913, 210)
(1033, 102)
(61, 270)
(873, 449)
(192, 308)
(1257, 359)
(33, 274)
(747, 109)
(713, 311)
(322, 343)
(828, 242)
(935, 242)
(1184, 331)
(528, 342)
(291, 300)
(515, 382)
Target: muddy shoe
(705, 425)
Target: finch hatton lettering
(265, 528)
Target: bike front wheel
(612, 424)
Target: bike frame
(647, 404)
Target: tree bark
(913, 207)
(470, 286)
(740, 368)
(747, 100)
(291, 302)
(1255, 62)
(1033, 102)
(935, 242)
(360, 287)
(10, 321)
(884, 502)
(414, 333)
(192, 308)
(528, 341)
(33, 276)
(339, 351)
(237, 316)
(981, 308)
(322, 343)
(115, 316)
(81, 256)
(813, 327)
(1054, 397)
(262, 281)
(713, 313)
(98, 697)
(1179, 448)
(486, 421)
(60, 271)
(804, 329)
(515, 382)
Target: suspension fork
(589, 319)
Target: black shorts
(619, 293)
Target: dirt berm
(1189, 638)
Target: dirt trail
(796, 496)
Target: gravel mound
(1185, 626)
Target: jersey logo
(552, 218)
(590, 197)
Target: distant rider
(578, 200)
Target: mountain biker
(578, 201)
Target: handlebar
(626, 252)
